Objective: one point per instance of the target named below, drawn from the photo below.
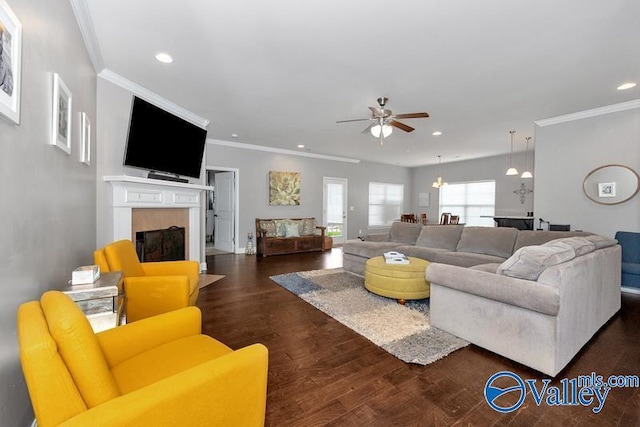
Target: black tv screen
(160, 141)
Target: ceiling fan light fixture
(385, 129)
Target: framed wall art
(61, 116)
(284, 188)
(10, 63)
(85, 139)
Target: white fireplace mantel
(131, 192)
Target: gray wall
(47, 215)
(567, 152)
(507, 203)
(254, 167)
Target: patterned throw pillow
(308, 227)
(269, 227)
(280, 226)
(292, 230)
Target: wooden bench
(288, 236)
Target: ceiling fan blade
(412, 116)
(353, 120)
(401, 126)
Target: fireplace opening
(161, 245)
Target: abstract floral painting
(284, 188)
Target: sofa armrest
(230, 390)
(121, 343)
(377, 237)
(522, 293)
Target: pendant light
(512, 170)
(439, 182)
(526, 173)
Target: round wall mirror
(611, 184)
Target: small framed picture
(606, 189)
(85, 139)
(423, 199)
(10, 63)
(61, 115)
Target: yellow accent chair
(150, 287)
(159, 371)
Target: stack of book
(395, 258)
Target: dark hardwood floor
(322, 373)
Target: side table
(103, 301)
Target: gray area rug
(403, 331)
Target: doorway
(221, 217)
(334, 208)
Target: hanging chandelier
(512, 170)
(439, 182)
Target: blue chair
(630, 243)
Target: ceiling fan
(383, 121)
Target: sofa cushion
(601, 241)
(488, 240)
(368, 249)
(404, 232)
(440, 236)
(580, 245)
(420, 252)
(530, 261)
(466, 259)
(631, 268)
(539, 237)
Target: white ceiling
(280, 73)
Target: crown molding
(153, 98)
(83, 17)
(623, 106)
(244, 146)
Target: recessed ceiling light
(300, 145)
(164, 57)
(436, 133)
(626, 86)
(234, 135)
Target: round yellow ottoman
(399, 281)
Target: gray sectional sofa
(535, 297)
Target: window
(470, 200)
(385, 203)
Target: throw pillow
(280, 227)
(530, 261)
(269, 227)
(292, 230)
(308, 227)
(580, 245)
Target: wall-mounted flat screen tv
(162, 142)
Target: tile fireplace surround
(130, 192)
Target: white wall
(507, 202)
(254, 167)
(47, 211)
(567, 152)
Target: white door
(334, 208)
(223, 216)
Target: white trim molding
(153, 98)
(244, 146)
(623, 106)
(83, 17)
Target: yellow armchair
(159, 371)
(150, 287)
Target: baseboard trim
(629, 290)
